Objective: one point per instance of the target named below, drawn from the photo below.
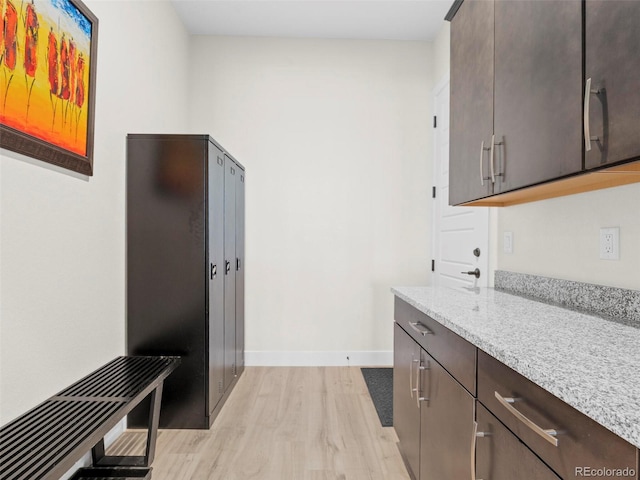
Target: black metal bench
(48, 440)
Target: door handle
(237, 264)
(214, 271)
(227, 268)
(474, 273)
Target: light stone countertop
(590, 363)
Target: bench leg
(154, 420)
(98, 452)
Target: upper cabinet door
(471, 116)
(538, 93)
(612, 62)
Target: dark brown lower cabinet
(432, 414)
(524, 432)
(406, 408)
(501, 456)
(446, 424)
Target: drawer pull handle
(548, 434)
(420, 328)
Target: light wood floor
(282, 424)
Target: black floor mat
(380, 384)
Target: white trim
(318, 359)
(442, 84)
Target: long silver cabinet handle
(481, 160)
(411, 389)
(587, 98)
(474, 438)
(587, 102)
(548, 434)
(473, 450)
(418, 397)
(420, 328)
(493, 149)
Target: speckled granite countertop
(590, 363)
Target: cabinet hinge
(435, 121)
(433, 265)
(433, 192)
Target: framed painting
(48, 52)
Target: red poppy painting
(47, 80)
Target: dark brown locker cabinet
(471, 117)
(240, 236)
(231, 172)
(181, 257)
(612, 96)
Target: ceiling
(355, 19)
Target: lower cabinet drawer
(501, 456)
(526, 409)
(453, 352)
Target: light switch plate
(507, 244)
(610, 243)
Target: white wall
(559, 237)
(63, 235)
(336, 139)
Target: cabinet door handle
(493, 149)
(411, 389)
(474, 437)
(548, 434)
(481, 160)
(418, 377)
(214, 271)
(587, 101)
(473, 450)
(420, 328)
(227, 268)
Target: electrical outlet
(507, 245)
(610, 243)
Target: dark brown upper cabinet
(538, 92)
(471, 115)
(518, 103)
(612, 104)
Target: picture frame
(48, 57)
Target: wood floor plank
(282, 423)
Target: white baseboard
(379, 358)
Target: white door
(460, 234)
